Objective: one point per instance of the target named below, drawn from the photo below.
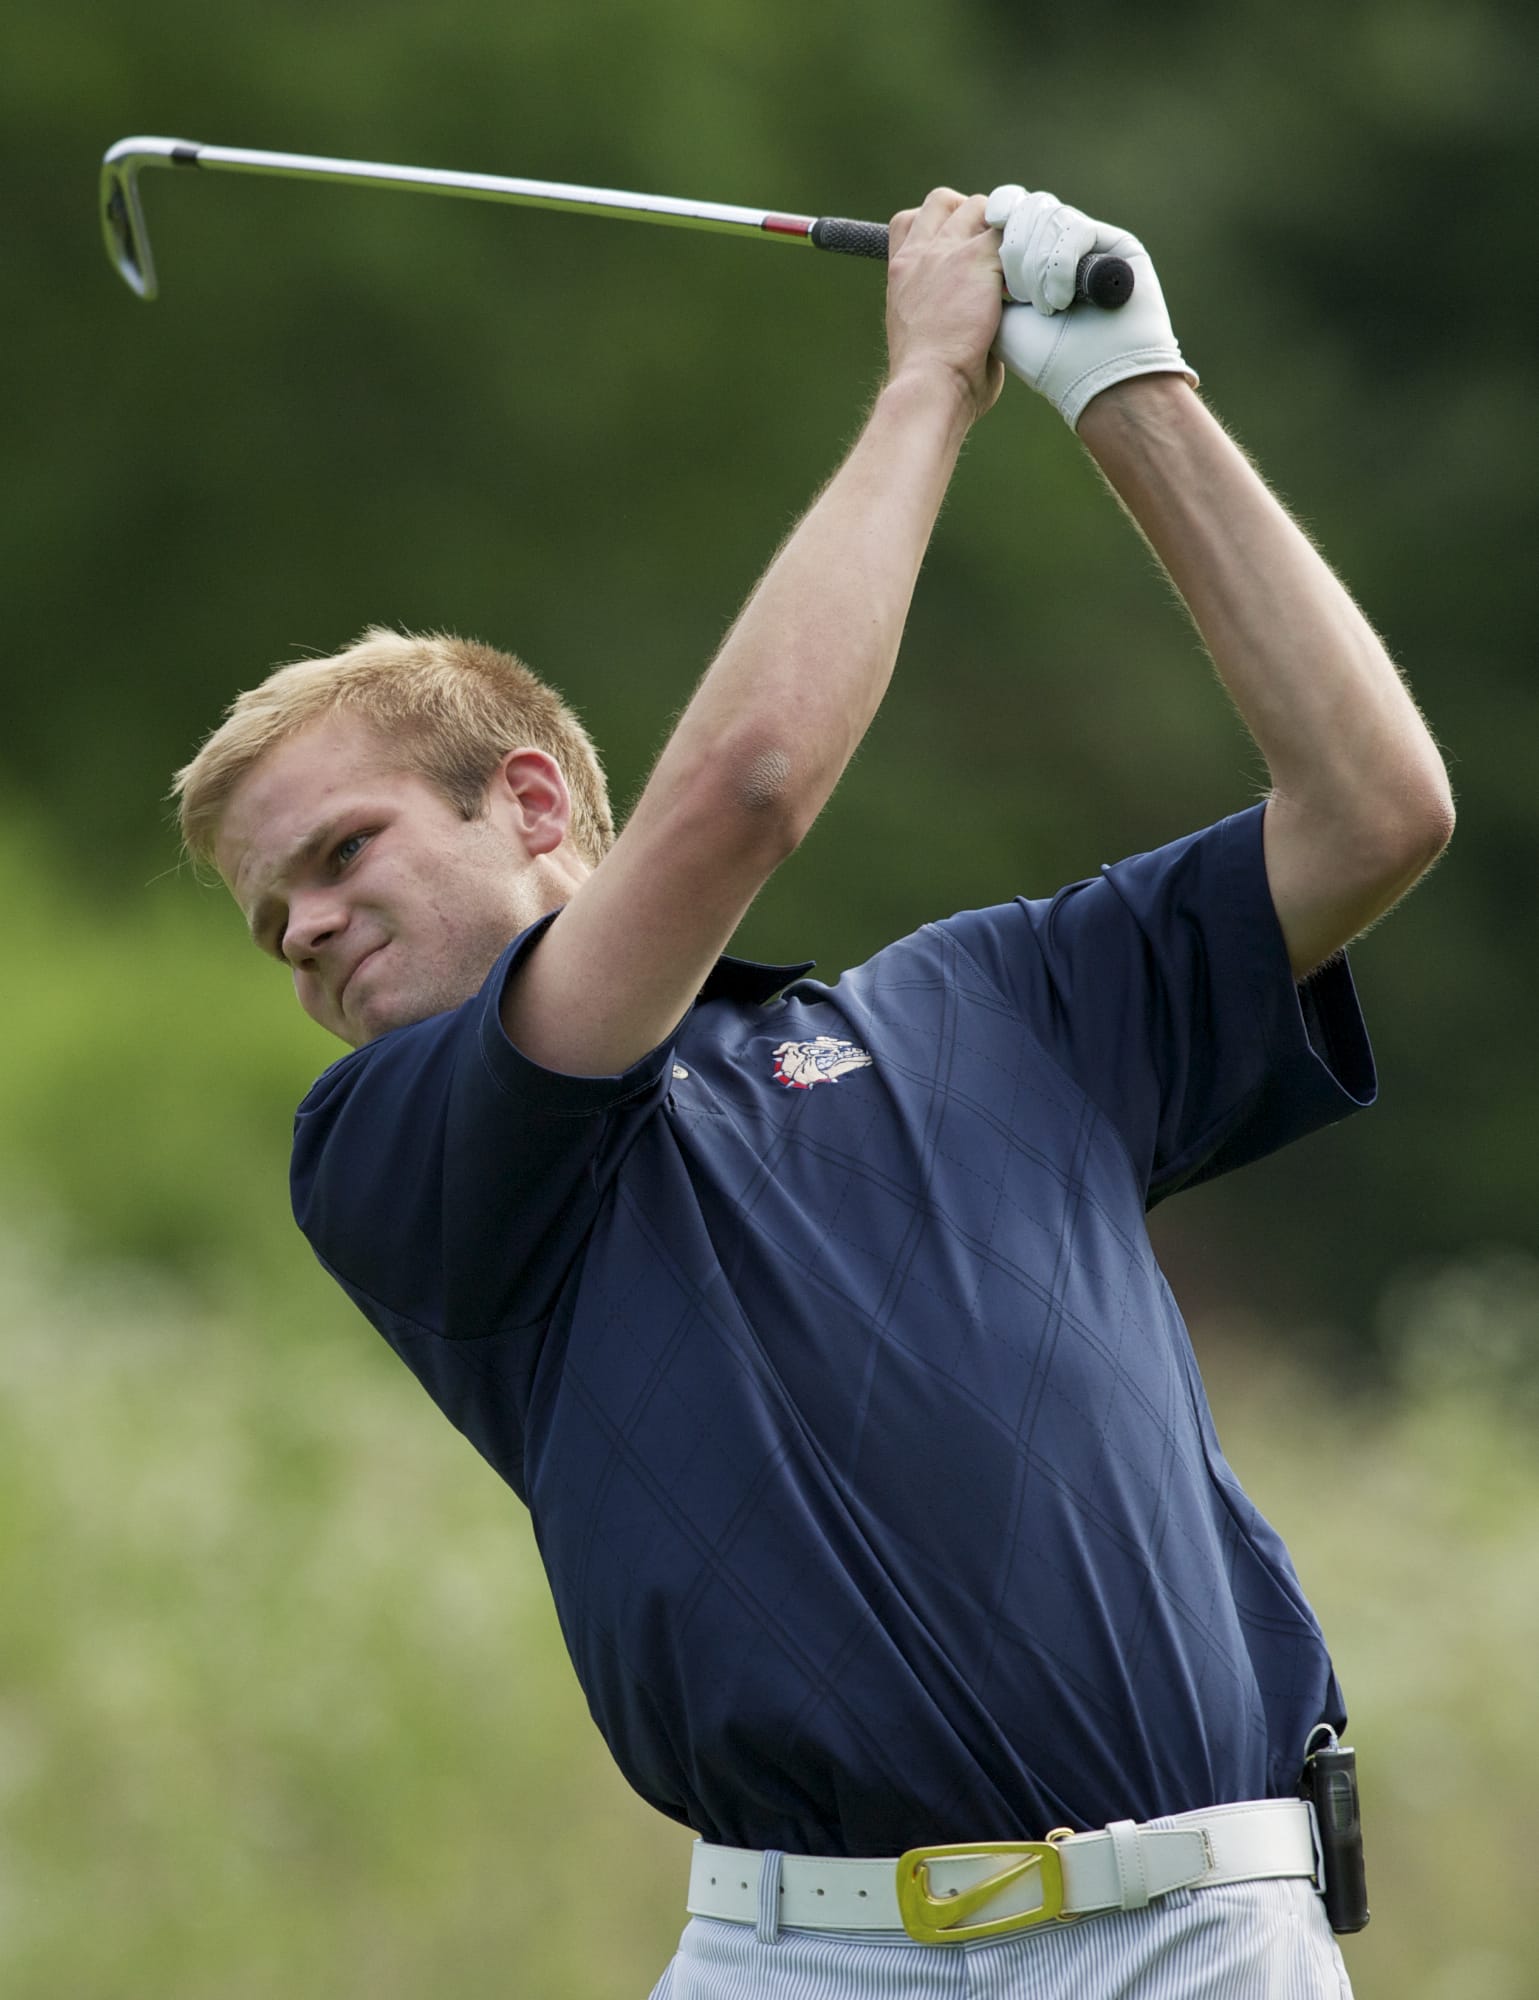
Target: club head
(127, 239)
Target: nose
(315, 917)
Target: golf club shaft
(128, 240)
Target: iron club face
(123, 226)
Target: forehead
(295, 789)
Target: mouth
(367, 959)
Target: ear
(528, 792)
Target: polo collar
(749, 979)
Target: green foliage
(582, 438)
(152, 1068)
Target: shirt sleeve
(1163, 987)
(440, 1174)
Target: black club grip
(854, 239)
(1100, 280)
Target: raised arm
(762, 743)
(1360, 804)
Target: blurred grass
(283, 1703)
(284, 1706)
(1413, 1519)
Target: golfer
(817, 1324)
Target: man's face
(386, 904)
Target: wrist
(930, 389)
(1139, 405)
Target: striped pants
(1241, 1941)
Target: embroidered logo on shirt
(802, 1064)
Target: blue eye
(345, 850)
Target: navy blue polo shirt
(863, 1439)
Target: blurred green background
(283, 1708)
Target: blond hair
(452, 708)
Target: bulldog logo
(802, 1064)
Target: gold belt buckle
(932, 1919)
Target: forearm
(1303, 666)
(1357, 782)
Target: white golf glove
(1071, 355)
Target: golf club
(1101, 280)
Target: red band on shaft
(787, 225)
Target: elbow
(1441, 825)
(748, 806)
(762, 787)
(1427, 816)
(1365, 845)
(1403, 835)
(771, 798)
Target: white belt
(956, 1895)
